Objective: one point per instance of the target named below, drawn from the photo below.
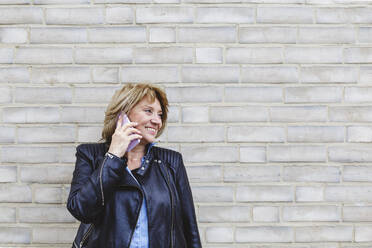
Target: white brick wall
(270, 105)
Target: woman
(139, 198)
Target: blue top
(140, 237)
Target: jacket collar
(146, 160)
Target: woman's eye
(148, 110)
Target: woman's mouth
(151, 130)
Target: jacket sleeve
(187, 203)
(90, 187)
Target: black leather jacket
(107, 198)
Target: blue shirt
(140, 237)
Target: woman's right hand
(122, 137)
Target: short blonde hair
(128, 97)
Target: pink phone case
(133, 143)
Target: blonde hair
(128, 97)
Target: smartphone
(133, 143)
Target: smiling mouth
(152, 130)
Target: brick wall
(270, 107)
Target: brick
(255, 134)
(316, 134)
(224, 214)
(203, 174)
(13, 35)
(7, 134)
(219, 234)
(119, 15)
(117, 35)
(225, 15)
(344, 15)
(195, 114)
(208, 55)
(52, 235)
(359, 134)
(153, 74)
(45, 215)
(365, 34)
(15, 1)
(284, 15)
(43, 95)
(358, 173)
(270, 34)
(297, 153)
(31, 115)
(14, 75)
(48, 195)
(277, 234)
(122, 1)
(61, 1)
(210, 153)
(89, 134)
(15, 235)
(316, 55)
(67, 154)
(58, 35)
(363, 234)
(328, 74)
(196, 134)
(264, 193)
(270, 74)
(15, 193)
(194, 94)
(21, 15)
(309, 194)
(210, 74)
(358, 55)
(94, 94)
(238, 114)
(350, 114)
(299, 114)
(365, 74)
(252, 173)
(7, 214)
(162, 34)
(30, 154)
(160, 55)
(331, 35)
(49, 134)
(255, 55)
(36, 55)
(253, 94)
(311, 213)
(164, 15)
(358, 94)
(313, 94)
(79, 16)
(5, 95)
(252, 154)
(56, 75)
(311, 174)
(265, 214)
(173, 114)
(207, 34)
(8, 174)
(103, 55)
(357, 213)
(348, 193)
(212, 194)
(349, 154)
(324, 234)
(105, 75)
(6, 55)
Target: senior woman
(139, 198)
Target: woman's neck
(136, 153)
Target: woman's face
(148, 116)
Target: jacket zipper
(100, 182)
(172, 207)
(86, 235)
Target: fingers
(134, 136)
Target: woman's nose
(156, 119)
